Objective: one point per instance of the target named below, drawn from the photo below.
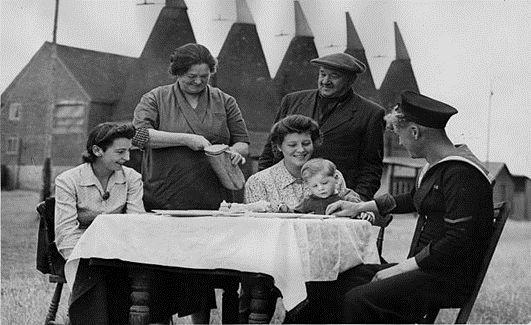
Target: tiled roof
(102, 75)
(295, 71)
(399, 76)
(243, 73)
(365, 83)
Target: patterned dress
(277, 186)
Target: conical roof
(171, 30)
(243, 14)
(244, 74)
(400, 46)
(176, 4)
(399, 77)
(295, 71)
(365, 83)
(302, 28)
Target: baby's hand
(283, 208)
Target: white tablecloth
(293, 251)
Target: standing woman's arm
(146, 121)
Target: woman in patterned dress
(293, 138)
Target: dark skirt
(101, 295)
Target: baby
(321, 177)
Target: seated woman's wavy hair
(294, 124)
(103, 135)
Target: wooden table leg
(261, 293)
(230, 302)
(141, 282)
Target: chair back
(49, 260)
(382, 222)
(498, 222)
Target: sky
(461, 51)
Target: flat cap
(341, 61)
(424, 110)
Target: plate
(289, 215)
(189, 213)
(211, 213)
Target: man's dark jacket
(353, 138)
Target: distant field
(504, 298)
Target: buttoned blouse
(79, 194)
(276, 186)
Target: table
(291, 251)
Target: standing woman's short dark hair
(103, 135)
(294, 124)
(183, 57)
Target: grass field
(504, 298)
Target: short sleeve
(141, 138)
(146, 114)
(235, 121)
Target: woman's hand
(236, 158)
(196, 142)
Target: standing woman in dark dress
(174, 124)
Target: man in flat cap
(453, 198)
(352, 125)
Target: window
(69, 118)
(401, 185)
(15, 110)
(12, 145)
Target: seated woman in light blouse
(100, 185)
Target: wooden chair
(498, 222)
(382, 222)
(49, 261)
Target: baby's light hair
(318, 166)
